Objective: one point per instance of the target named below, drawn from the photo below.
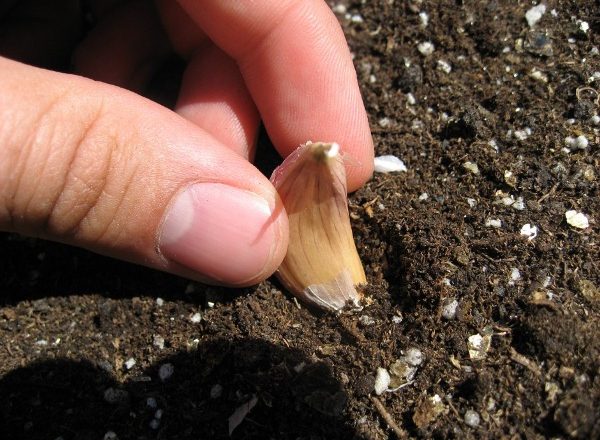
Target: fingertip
(234, 236)
(359, 174)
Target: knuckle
(78, 209)
(60, 171)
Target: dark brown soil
(70, 320)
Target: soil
(71, 322)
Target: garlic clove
(322, 266)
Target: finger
(213, 96)
(296, 63)
(96, 166)
(184, 34)
(38, 32)
(125, 48)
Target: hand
(93, 164)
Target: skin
(86, 160)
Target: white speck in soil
(151, 402)
(413, 357)
(417, 125)
(384, 122)
(577, 219)
(535, 14)
(158, 414)
(389, 164)
(515, 275)
(357, 18)
(423, 197)
(426, 48)
(478, 346)
(584, 26)
(216, 391)
(472, 167)
(130, 363)
(158, 341)
(111, 435)
(523, 134)
(166, 371)
(529, 230)
(580, 142)
(444, 66)
(493, 223)
(196, 318)
(424, 18)
(472, 202)
(382, 380)
(160, 302)
(339, 8)
(510, 178)
(472, 418)
(449, 308)
(538, 75)
(366, 320)
(519, 204)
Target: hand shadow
(296, 397)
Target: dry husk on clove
(322, 266)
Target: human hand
(95, 165)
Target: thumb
(96, 166)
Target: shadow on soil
(33, 269)
(295, 398)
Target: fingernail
(224, 233)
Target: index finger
(298, 68)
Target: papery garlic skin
(322, 266)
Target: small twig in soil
(549, 193)
(522, 360)
(454, 410)
(387, 417)
(455, 161)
